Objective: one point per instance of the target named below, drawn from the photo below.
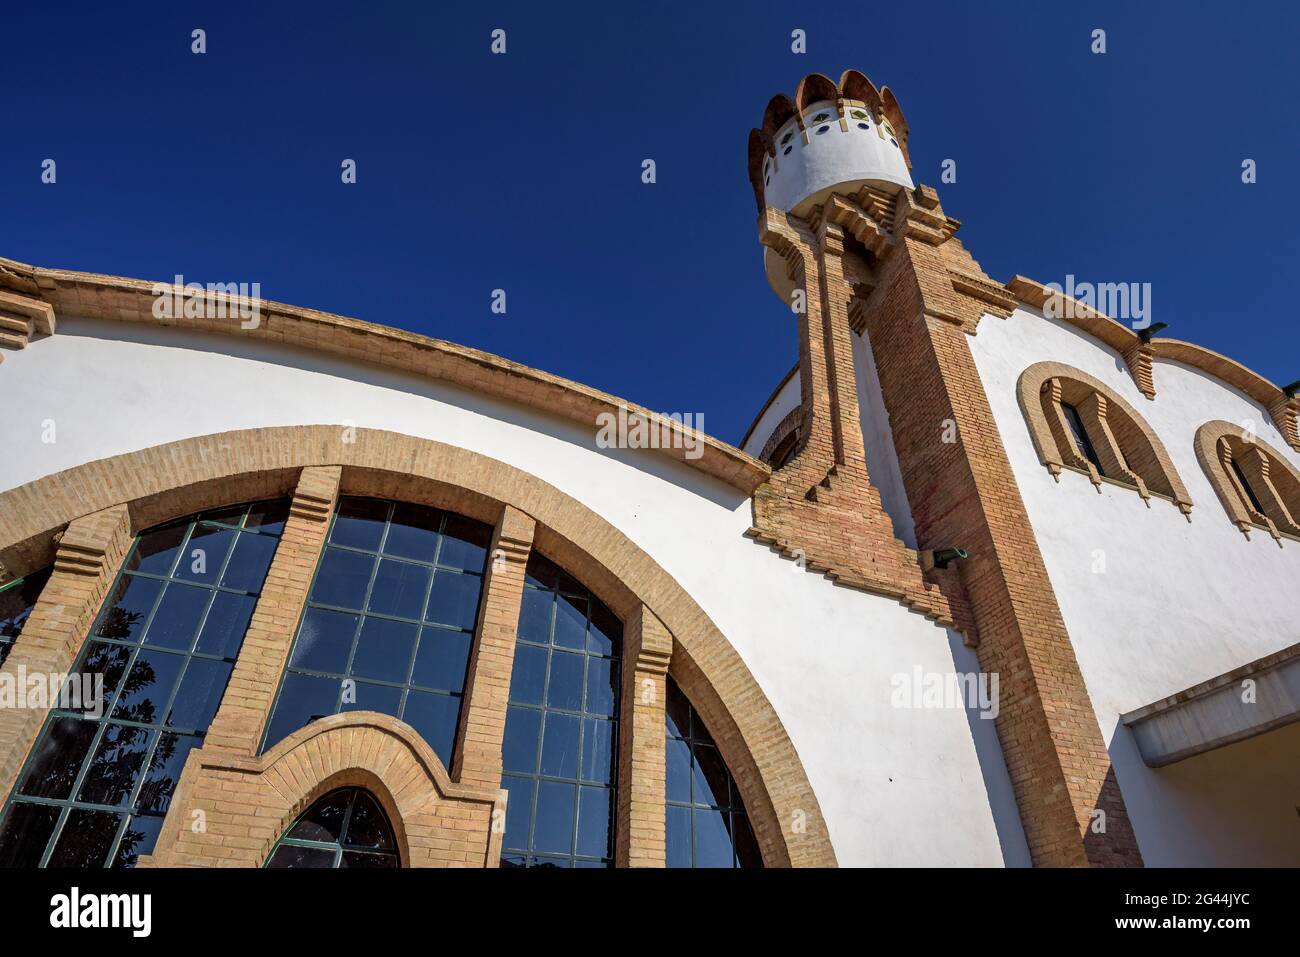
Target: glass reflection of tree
(119, 622)
(156, 795)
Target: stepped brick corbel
(21, 318)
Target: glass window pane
(177, 619)
(553, 830)
(368, 825)
(57, 758)
(710, 778)
(678, 771)
(678, 836)
(442, 660)
(358, 859)
(712, 839)
(535, 616)
(678, 712)
(205, 553)
(16, 602)
(359, 523)
(164, 773)
(140, 837)
(747, 852)
(602, 686)
(155, 552)
(148, 686)
(571, 622)
(302, 698)
(605, 632)
(465, 544)
(454, 599)
(598, 750)
(111, 773)
(109, 661)
(323, 821)
(519, 810)
(200, 694)
(595, 821)
(25, 833)
(342, 579)
(434, 716)
(291, 855)
(86, 839)
(528, 677)
(324, 641)
(384, 650)
(128, 608)
(399, 589)
(520, 747)
(564, 690)
(249, 563)
(268, 517)
(227, 620)
(560, 745)
(414, 532)
(368, 696)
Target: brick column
(246, 705)
(647, 649)
(477, 755)
(86, 562)
(964, 493)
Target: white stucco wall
(897, 787)
(1177, 603)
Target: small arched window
(1079, 423)
(561, 736)
(706, 824)
(345, 828)
(17, 599)
(1257, 484)
(389, 621)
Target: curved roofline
(98, 296)
(768, 404)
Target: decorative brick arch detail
(181, 477)
(1145, 463)
(1274, 479)
(251, 803)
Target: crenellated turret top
(832, 137)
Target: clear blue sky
(522, 171)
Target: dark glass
(268, 517)
(384, 650)
(141, 646)
(1081, 436)
(25, 832)
(57, 758)
(391, 572)
(86, 839)
(343, 579)
(345, 828)
(177, 619)
(706, 824)
(205, 553)
(561, 725)
(1245, 485)
(17, 599)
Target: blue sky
(522, 171)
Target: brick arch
(1149, 466)
(183, 476)
(1273, 474)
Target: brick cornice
(93, 296)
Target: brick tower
(856, 249)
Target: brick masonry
(647, 651)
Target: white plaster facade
(898, 787)
(1178, 602)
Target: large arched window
(345, 828)
(706, 822)
(17, 599)
(561, 737)
(1258, 486)
(1079, 423)
(102, 773)
(389, 621)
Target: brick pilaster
(647, 650)
(964, 493)
(477, 757)
(246, 705)
(86, 562)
